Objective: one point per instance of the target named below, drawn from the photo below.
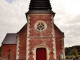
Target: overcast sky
(67, 18)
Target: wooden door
(41, 54)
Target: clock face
(40, 26)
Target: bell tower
(40, 30)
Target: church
(38, 39)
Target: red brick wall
(36, 35)
(58, 41)
(47, 19)
(4, 52)
(22, 42)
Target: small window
(40, 26)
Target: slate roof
(10, 39)
(40, 7)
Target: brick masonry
(45, 37)
(59, 44)
(5, 53)
(22, 43)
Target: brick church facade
(39, 38)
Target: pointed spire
(40, 5)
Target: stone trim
(17, 48)
(53, 33)
(41, 46)
(45, 25)
(63, 49)
(27, 42)
(54, 47)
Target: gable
(58, 32)
(22, 28)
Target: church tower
(43, 40)
(39, 39)
(40, 31)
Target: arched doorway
(40, 54)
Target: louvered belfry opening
(40, 5)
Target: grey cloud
(72, 35)
(74, 20)
(12, 17)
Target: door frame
(41, 46)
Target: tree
(73, 52)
